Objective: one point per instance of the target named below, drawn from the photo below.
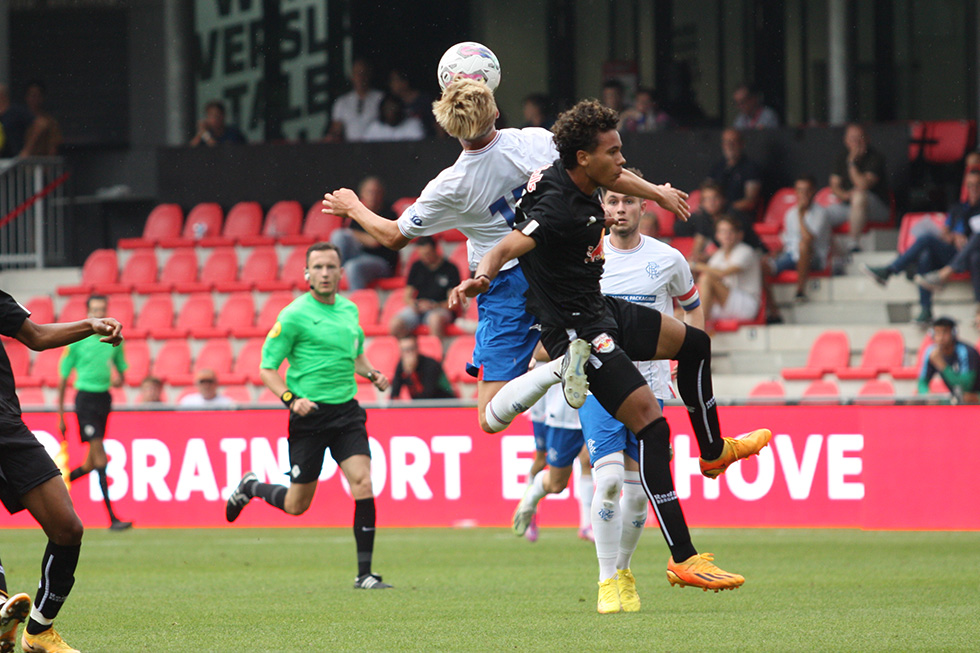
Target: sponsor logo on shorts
(591, 445)
(294, 472)
(89, 430)
(603, 344)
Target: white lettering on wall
(452, 447)
(196, 473)
(841, 465)
(151, 463)
(410, 460)
(799, 476)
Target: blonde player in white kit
(648, 272)
(476, 195)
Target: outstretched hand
(109, 328)
(675, 201)
(341, 202)
(459, 296)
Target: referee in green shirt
(320, 334)
(93, 363)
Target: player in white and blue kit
(646, 271)
(477, 195)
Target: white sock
(40, 618)
(634, 510)
(520, 394)
(537, 489)
(586, 489)
(607, 519)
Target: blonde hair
(466, 109)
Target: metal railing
(33, 211)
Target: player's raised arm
(48, 336)
(343, 202)
(513, 245)
(670, 198)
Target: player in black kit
(558, 238)
(29, 479)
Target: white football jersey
(558, 413)
(477, 194)
(650, 274)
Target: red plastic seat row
(831, 353)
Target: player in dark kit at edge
(558, 238)
(29, 479)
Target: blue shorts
(563, 445)
(604, 434)
(505, 338)
(540, 436)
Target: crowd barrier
(872, 467)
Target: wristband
(288, 398)
(486, 276)
(372, 375)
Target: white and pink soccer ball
(472, 60)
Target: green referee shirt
(321, 342)
(92, 360)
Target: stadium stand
(317, 226)
(368, 308)
(383, 353)
(247, 362)
(772, 221)
(101, 268)
(284, 218)
(45, 367)
(74, 310)
(172, 364)
(236, 317)
(261, 264)
(163, 223)
(830, 352)
(876, 391)
(290, 275)
(205, 219)
(221, 266)
(216, 355)
(138, 359)
(181, 267)
(41, 308)
(243, 220)
(140, 269)
(884, 353)
(767, 392)
(458, 355)
(821, 391)
(156, 315)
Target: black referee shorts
(24, 464)
(92, 410)
(340, 427)
(627, 332)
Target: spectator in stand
(858, 181)
(355, 110)
(806, 237)
(427, 292)
(207, 395)
(366, 260)
(214, 130)
(536, 112)
(972, 162)
(938, 251)
(614, 97)
(956, 362)
(15, 119)
(423, 376)
(417, 104)
(151, 391)
(43, 137)
(752, 112)
(646, 115)
(730, 283)
(739, 176)
(393, 124)
(702, 224)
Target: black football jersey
(12, 316)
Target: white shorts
(740, 306)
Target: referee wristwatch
(288, 398)
(372, 375)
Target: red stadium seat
(665, 220)
(220, 266)
(164, 222)
(262, 264)
(431, 346)
(684, 245)
(196, 320)
(41, 308)
(781, 202)
(767, 392)
(383, 353)
(830, 352)
(694, 200)
(119, 396)
(241, 395)
(267, 397)
(948, 141)
(138, 360)
(30, 397)
(825, 197)
(451, 236)
(909, 220)
(101, 269)
(204, 220)
(243, 220)
(248, 360)
(215, 356)
(876, 391)
(821, 392)
(139, 270)
(911, 373)
(74, 310)
(283, 219)
(393, 305)
(121, 308)
(458, 356)
(173, 361)
(368, 305)
(157, 314)
(236, 317)
(884, 352)
(180, 268)
(20, 357)
(460, 259)
(318, 226)
(45, 367)
(400, 205)
(268, 315)
(290, 276)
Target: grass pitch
(486, 590)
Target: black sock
(364, 518)
(694, 383)
(77, 473)
(271, 493)
(659, 487)
(57, 578)
(104, 484)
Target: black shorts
(24, 464)
(341, 427)
(627, 332)
(92, 410)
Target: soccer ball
(471, 60)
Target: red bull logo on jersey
(603, 344)
(595, 253)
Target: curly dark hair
(579, 129)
